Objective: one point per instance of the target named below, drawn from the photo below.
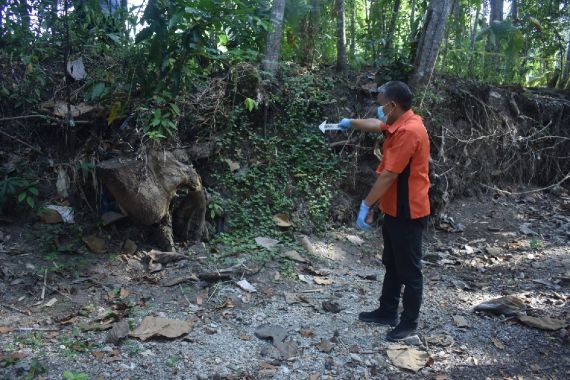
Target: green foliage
(184, 39)
(36, 368)
(535, 244)
(160, 118)
(70, 375)
(215, 205)
(250, 104)
(21, 189)
(70, 347)
(286, 167)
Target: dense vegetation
(173, 71)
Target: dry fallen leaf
(497, 343)
(306, 333)
(282, 220)
(245, 337)
(6, 329)
(356, 240)
(268, 366)
(322, 280)
(406, 357)
(544, 323)
(293, 255)
(95, 243)
(325, 346)
(266, 242)
(61, 109)
(166, 257)
(245, 285)
(234, 166)
(129, 247)
(98, 355)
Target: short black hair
(398, 92)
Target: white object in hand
(329, 127)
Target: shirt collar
(391, 128)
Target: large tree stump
(145, 189)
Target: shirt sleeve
(402, 148)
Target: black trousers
(402, 259)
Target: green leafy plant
(535, 244)
(286, 168)
(250, 104)
(215, 205)
(171, 361)
(70, 375)
(71, 345)
(21, 189)
(36, 368)
(162, 121)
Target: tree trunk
(566, 72)
(412, 17)
(145, 190)
(352, 30)
(392, 27)
(273, 47)
(367, 13)
(430, 41)
(496, 14)
(496, 10)
(309, 30)
(470, 66)
(474, 31)
(24, 16)
(514, 10)
(340, 37)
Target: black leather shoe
(378, 316)
(402, 331)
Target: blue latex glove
(361, 219)
(345, 124)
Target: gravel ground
(489, 259)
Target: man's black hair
(398, 92)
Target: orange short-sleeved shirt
(406, 152)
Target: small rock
(526, 230)
(355, 358)
(413, 340)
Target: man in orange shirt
(401, 188)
